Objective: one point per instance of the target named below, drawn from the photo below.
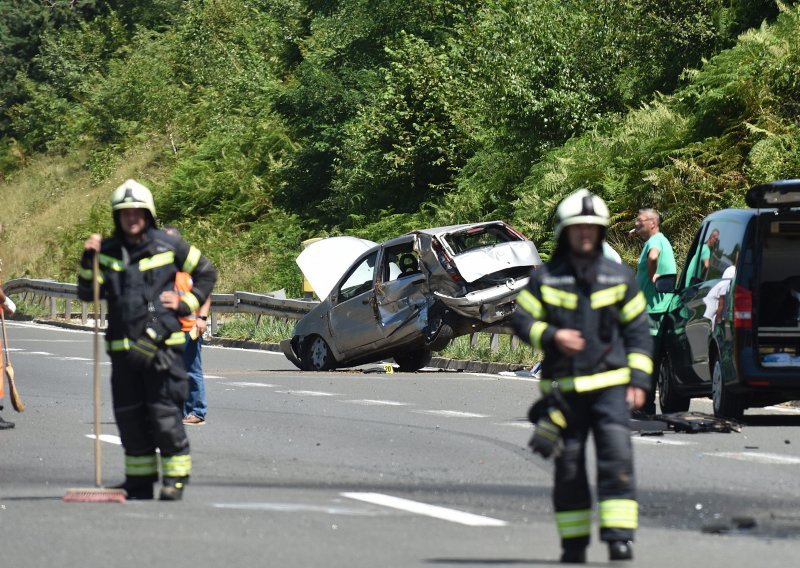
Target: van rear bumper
(755, 377)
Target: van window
(728, 247)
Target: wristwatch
(204, 318)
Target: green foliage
(266, 122)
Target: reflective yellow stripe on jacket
(157, 261)
(641, 362)
(559, 298)
(608, 296)
(632, 309)
(587, 383)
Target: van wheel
(668, 397)
(413, 360)
(317, 355)
(726, 403)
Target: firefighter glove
(549, 416)
(546, 440)
(142, 353)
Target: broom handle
(96, 373)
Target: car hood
(476, 264)
(325, 261)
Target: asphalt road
(366, 469)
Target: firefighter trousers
(605, 413)
(148, 407)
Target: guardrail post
(84, 312)
(52, 307)
(67, 309)
(494, 343)
(213, 327)
(514, 342)
(474, 340)
(102, 314)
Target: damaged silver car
(409, 296)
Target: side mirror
(665, 283)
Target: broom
(16, 401)
(96, 494)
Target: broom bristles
(95, 495)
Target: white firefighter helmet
(581, 208)
(133, 195)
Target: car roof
(436, 231)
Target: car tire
(726, 403)
(443, 337)
(413, 360)
(668, 397)
(317, 355)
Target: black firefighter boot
(138, 487)
(620, 550)
(173, 488)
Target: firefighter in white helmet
(137, 268)
(587, 314)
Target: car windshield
(479, 237)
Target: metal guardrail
(273, 304)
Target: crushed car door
(402, 293)
(353, 318)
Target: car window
(478, 237)
(359, 280)
(691, 271)
(400, 261)
(726, 251)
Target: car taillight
(742, 307)
(447, 263)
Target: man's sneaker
(193, 420)
(5, 424)
(137, 489)
(573, 556)
(620, 550)
(173, 488)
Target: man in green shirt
(656, 258)
(703, 258)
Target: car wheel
(668, 397)
(317, 355)
(726, 403)
(413, 360)
(443, 337)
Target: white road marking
(27, 340)
(108, 438)
(784, 409)
(308, 393)
(73, 359)
(452, 413)
(260, 351)
(776, 459)
(245, 384)
(34, 352)
(525, 424)
(660, 441)
(434, 511)
(296, 508)
(368, 402)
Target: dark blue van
(733, 330)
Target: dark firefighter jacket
(609, 310)
(133, 276)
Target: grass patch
(480, 349)
(255, 328)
